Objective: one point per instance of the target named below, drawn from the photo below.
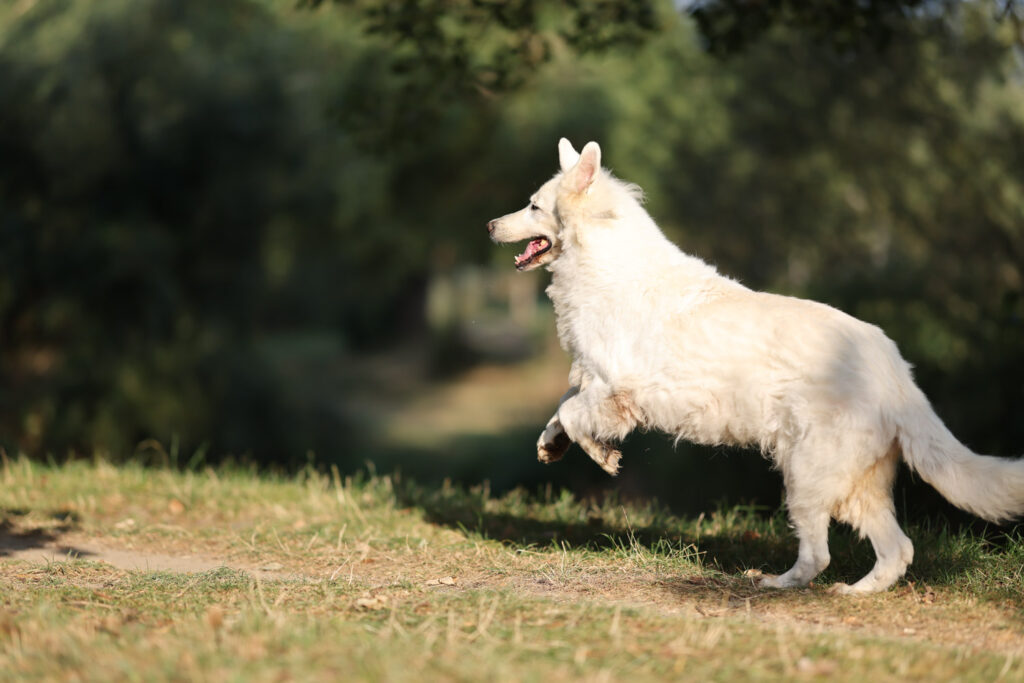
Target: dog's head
(540, 222)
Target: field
(134, 573)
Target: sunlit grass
(328, 577)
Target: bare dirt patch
(913, 613)
(59, 549)
(43, 546)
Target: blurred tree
(204, 207)
(450, 47)
(730, 26)
(162, 164)
(442, 73)
(184, 184)
(889, 185)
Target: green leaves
(194, 194)
(732, 26)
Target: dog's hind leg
(893, 550)
(869, 509)
(809, 502)
(811, 524)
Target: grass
(320, 577)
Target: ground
(125, 573)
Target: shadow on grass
(17, 537)
(951, 547)
(728, 552)
(980, 559)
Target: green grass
(375, 578)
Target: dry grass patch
(369, 578)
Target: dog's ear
(567, 156)
(583, 174)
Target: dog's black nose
(490, 227)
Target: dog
(660, 340)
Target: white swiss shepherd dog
(660, 340)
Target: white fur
(660, 340)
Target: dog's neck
(627, 250)
(606, 275)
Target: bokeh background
(254, 229)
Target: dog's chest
(598, 324)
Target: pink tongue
(531, 249)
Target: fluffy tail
(990, 487)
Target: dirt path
(43, 548)
(63, 548)
(912, 613)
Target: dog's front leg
(605, 455)
(593, 418)
(553, 441)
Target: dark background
(254, 229)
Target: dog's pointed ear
(567, 156)
(586, 168)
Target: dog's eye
(534, 207)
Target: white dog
(660, 340)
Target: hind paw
(776, 581)
(840, 588)
(788, 580)
(865, 586)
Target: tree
(160, 163)
(730, 26)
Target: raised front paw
(610, 462)
(603, 454)
(552, 445)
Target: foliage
(209, 211)
(191, 190)
(156, 157)
(887, 185)
(732, 26)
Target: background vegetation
(255, 227)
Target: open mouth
(536, 247)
